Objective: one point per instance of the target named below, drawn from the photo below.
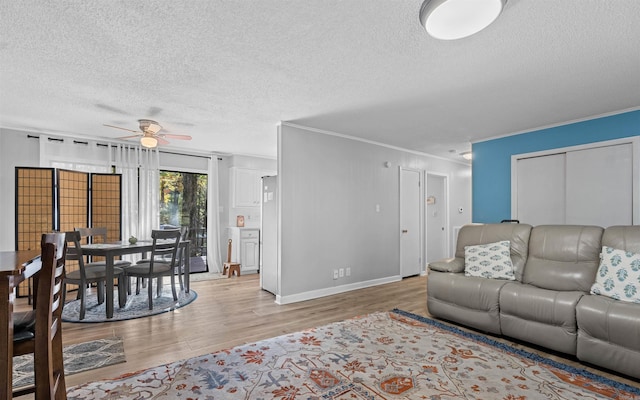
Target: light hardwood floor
(230, 312)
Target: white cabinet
(249, 249)
(246, 248)
(246, 186)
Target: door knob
(404, 231)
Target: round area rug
(137, 305)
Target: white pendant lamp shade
(456, 19)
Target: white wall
(251, 214)
(16, 150)
(329, 186)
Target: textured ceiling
(227, 71)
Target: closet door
(541, 190)
(600, 186)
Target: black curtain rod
(107, 145)
(182, 154)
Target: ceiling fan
(148, 133)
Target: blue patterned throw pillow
(618, 275)
(492, 261)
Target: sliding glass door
(183, 204)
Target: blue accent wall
(491, 168)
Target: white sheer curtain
(214, 260)
(140, 169)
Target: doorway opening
(437, 216)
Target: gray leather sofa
(608, 329)
(548, 303)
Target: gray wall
(329, 186)
(16, 150)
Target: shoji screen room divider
(49, 199)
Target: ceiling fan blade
(128, 137)
(161, 140)
(124, 129)
(179, 137)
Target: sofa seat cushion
(468, 300)
(541, 316)
(610, 320)
(609, 334)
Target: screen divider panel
(35, 202)
(106, 204)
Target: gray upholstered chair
(89, 273)
(163, 261)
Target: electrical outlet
(348, 271)
(335, 274)
(341, 272)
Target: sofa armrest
(455, 265)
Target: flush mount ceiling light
(467, 155)
(456, 19)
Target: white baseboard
(314, 294)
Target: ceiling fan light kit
(148, 134)
(457, 19)
(148, 141)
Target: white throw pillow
(618, 275)
(492, 261)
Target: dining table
(114, 249)
(15, 267)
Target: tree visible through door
(183, 204)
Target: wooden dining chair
(42, 335)
(89, 273)
(162, 263)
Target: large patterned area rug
(77, 358)
(137, 306)
(393, 355)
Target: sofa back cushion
(622, 237)
(516, 234)
(563, 257)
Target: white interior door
(436, 214)
(410, 234)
